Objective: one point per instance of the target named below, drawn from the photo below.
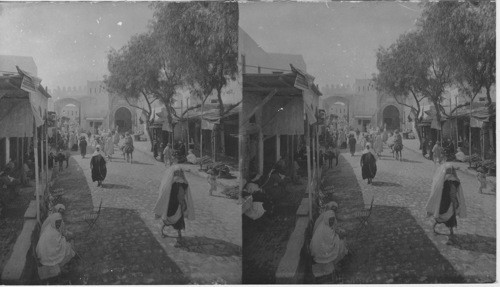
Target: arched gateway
(123, 120)
(391, 118)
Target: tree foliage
(133, 73)
(401, 66)
(464, 36)
(452, 45)
(207, 33)
(191, 45)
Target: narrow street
(127, 246)
(398, 245)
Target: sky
(69, 41)
(337, 40)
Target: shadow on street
(209, 246)
(119, 250)
(393, 248)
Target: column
(7, 150)
(278, 147)
(261, 152)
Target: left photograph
(119, 127)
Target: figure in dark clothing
(175, 202)
(352, 144)
(83, 147)
(368, 164)
(98, 166)
(60, 159)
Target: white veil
(434, 201)
(161, 206)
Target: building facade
(365, 108)
(94, 108)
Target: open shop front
(23, 127)
(277, 125)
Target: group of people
(174, 154)
(437, 151)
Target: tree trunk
(491, 113)
(221, 125)
(222, 149)
(148, 131)
(213, 132)
(416, 122)
(438, 119)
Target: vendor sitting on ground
(59, 209)
(252, 209)
(53, 248)
(191, 158)
(9, 182)
(251, 188)
(332, 205)
(326, 245)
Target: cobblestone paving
(127, 247)
(399, 245)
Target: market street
(399, 245)
(127, 247)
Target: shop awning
(294, 95)
(22, 101)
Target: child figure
(60, 158)
(212, 180)
(481, 178)
(67, 155)
(437, 152)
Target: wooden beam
(259, 106)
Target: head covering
(325, 243)
(161, 206)
(58, 207)
(369, 149)
(444, 172)
(52, 247)
(98, 151)
(328, 212)
(179, 176)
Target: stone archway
(391, 117)
(123, 120)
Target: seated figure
(326, 245)
(9, 182)
(332, 205)
(59, 209)
(191, 158)
(53, 248)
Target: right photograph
(367, 143)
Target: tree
(134, 75)
(400, 70)
(465, 37)
(207, 34)
(149, 67)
